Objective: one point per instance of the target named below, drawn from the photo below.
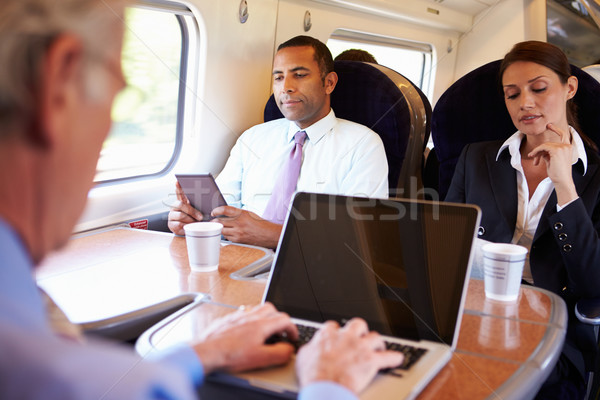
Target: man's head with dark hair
(322, 54)
(356, 55)
(303, 79)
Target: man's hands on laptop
(236, 342)
(239, 226)
(350, 356)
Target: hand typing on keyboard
(283, 337)
(236, 342)
(350, 356)
(305, 333)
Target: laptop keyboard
(305, 333)
(412, 354)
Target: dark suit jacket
(565, 253)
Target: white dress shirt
(340, 157)
(530, 210)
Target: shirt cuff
(326, 390)
(185, 358)
(559, 208)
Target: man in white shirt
(339, 156)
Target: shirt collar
(513, 143)
(316, 131)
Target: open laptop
(402, 265)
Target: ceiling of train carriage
(471, 7)
(573, 25)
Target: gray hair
(28, 28)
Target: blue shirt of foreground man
(61, 71)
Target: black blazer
(565, 253)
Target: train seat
(472, 110)
(389, 104)
(593, 70)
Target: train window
(145, 137)
(411, 59)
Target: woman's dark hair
(551, 57)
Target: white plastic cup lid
(203, 229)
(504, 251)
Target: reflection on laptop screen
(399, 264)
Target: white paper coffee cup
(502, 270)
(203, 240)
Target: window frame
(425, 49)
(180, 11)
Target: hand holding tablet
(202, 192)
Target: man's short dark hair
(323, 56)
(356, 55)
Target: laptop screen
(399, 264)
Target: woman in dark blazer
(541, 189)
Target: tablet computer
(202, 191)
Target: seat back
(473, 110)
(593, 70)
(588, 310)
(388, 103)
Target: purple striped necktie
(286, 182)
